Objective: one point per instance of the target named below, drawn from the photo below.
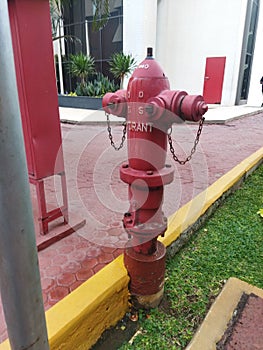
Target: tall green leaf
(81, 66)
(121, 65)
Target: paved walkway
(97, 194)
(215, 114)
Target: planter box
(84, 102)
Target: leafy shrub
(81, 66)
(98, 87)
(121, 64)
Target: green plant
(101, 14)
(121, 65)
(97, 88)
(81, 66)
(81, 89)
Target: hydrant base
(147, 301)
(147, 273)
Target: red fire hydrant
(150, 109)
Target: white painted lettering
(144, 127)
(140, 127)
(144, 66)
(133, 126)
(140, 110)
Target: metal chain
(117, 148)
(176, 159)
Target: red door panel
(214, 78)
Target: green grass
(230, 244)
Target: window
(80, 37)
(248, 49)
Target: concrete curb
(230, 119)
(77, 321)
(199, 208)
(220, 313)
(219, 115)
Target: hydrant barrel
(144, 137)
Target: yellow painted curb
(190, 212)
(77, 321)
(221, 312)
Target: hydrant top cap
(149, 68)
(149, 52)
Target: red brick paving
(246, 332)
(97, 194)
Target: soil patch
(127, 328)
(114, 337)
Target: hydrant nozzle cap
(149, 52)
(203, 108)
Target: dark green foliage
(97, 88)
(101, 15)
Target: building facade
(207, 47)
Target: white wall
(255, 95)
(189, 31)
(184, 32)
(139, 27)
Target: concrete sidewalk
(97, 195)
(215, 114)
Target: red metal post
(36, 82)
(150, 108)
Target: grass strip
(229, 244)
